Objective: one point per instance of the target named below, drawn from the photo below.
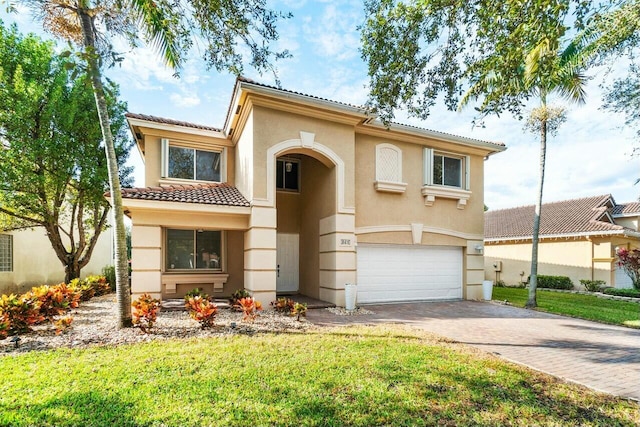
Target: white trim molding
(414, 229)
(305, 142)
(430, 192)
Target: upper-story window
(447, 170)
(446, 175)
(6, 252)
(191, 163)
(389, 169)
(288, 174)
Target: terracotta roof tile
(627, 208)
(206, 194)
(170, 121)
(587, 215)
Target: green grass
(356, 376)
(576, 305)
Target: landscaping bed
(95, 323)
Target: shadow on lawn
(72, 409)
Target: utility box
(497, 266)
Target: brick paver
(603, 357)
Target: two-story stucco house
(297, 194)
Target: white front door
(288, 250)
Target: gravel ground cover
(95, 321)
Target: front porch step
(177, 304)
(311, 302)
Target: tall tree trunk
(533, 281)
(123, 288)
(71, 271)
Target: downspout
(592, 255)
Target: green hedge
(633, 293)
(554, 282)
(593, 285)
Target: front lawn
(360, 376)
(576, 305)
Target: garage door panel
(408, 273)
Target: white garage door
(389, 273)
(622, 279)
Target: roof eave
(133, 121)
(623, 233)
(492, 147)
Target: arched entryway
(315, 232)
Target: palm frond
(158, 20)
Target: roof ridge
(602, 197)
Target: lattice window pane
(6, 252)
(387, 165)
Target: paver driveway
(603, 357)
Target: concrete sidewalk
(603, 357)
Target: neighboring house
(27, 259)
(298, 194)
(578, 238)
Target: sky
(590, 155)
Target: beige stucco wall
(629, 222)
(271, 127)
(577, 259)
(244, 160)
(35, 262)
(381, 208)
(153, 156)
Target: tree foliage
(420, 51)
(629, 261)
(52, 167)
(229, 30)
(611, 35)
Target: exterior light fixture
(479, 248)
(288, 166)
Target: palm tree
(545, 71)
(168, 28)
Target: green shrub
(250, 308)
(633, 293)
(283, 305)
(54, 300)
(299, 310)
(19, 312)
(237, 296)
(592, 285)
(554, 282)
(197, 292)
(99, 284)
(91, 286)
(201, 310)
(109, 273)
(145, 312)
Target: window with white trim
(446, 175)
(389, 169)
(181, 162)
(288, 175)
(193, 249)
(6, 252)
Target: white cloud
(334, 34)
(184, 101)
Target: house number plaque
(345, 242)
